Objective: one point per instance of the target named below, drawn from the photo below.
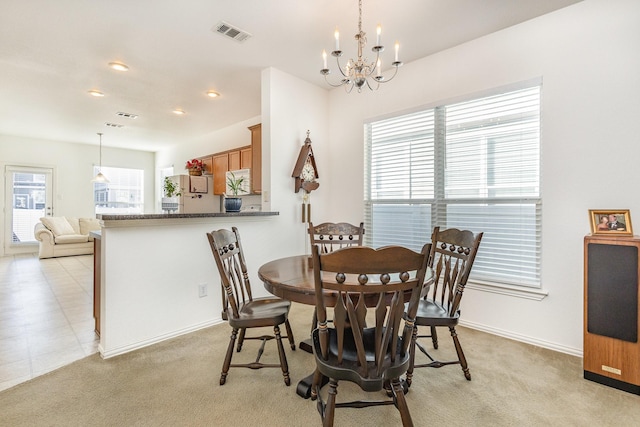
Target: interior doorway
(29, 196)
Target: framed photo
(616, 222)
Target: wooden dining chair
(241, 310)
(451, 257)
(331, 236)
(373, 357)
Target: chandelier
(359, 72)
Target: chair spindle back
(227, 251)
(365, 278)
(452, 255)
(331, 236)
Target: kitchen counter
(124, 220)
(156, 276)
(123, 217)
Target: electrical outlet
(202, 290)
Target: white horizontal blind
(400, 180)
(124, 194)
(478, 169)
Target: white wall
(588, 55)
(290, 107)
(73, 171)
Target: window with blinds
(471, 165)
(123, 194)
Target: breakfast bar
(156, 275)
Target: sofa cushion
(71, 238)
(88, 225)
(75, 224)
(58, 225)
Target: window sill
(510, 290)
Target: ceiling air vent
(127, 115)
(231, 31)
(112, 125)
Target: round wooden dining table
(291, 279)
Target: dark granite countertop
(105, 217)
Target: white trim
(534, 81)
(135, 346)
(535, 294)
(523, 338)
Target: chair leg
(461, 358)
(316, 385)
(434, 337)
(412, 356)
(330, 408)
(227, 358)
(401, 403)
(283, 357)
(241, 339)
(292, 341)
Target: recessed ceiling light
(118, 66)
(94, 92)
(212, 94)
(179, 111)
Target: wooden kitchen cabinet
(247, 157)
(229, 161)
(256, 158)
(234, 160)
(220, 168)
(207, 165)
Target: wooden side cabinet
(611, 317)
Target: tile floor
(46, 315)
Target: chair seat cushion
(260, 312)
(432, 313)
(349, 369)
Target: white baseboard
(135, 346)
(523, 338)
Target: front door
(29, 196)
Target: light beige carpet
(175, 383)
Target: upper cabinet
(207, 165)
(231, 160)
(248, 157)
(220, 167)
(256, 158)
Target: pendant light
(100, 177)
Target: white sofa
(65, 236)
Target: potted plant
(235, 185)
(171, 193)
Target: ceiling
(53, 52)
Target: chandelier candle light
(358, 73)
